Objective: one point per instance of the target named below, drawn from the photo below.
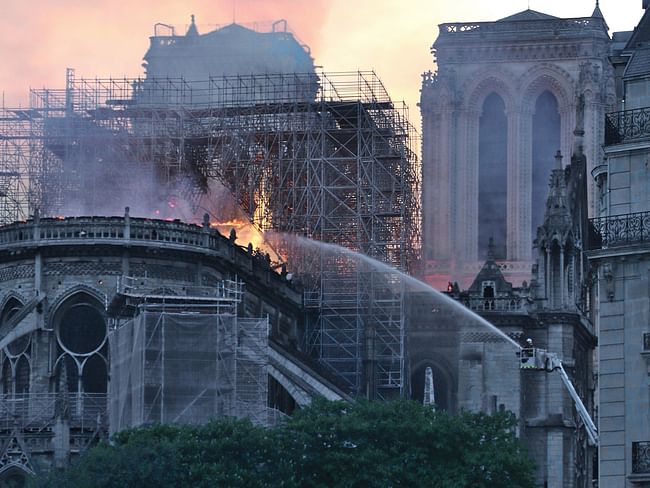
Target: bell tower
(503, 100)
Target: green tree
(227, 452)
(402, 443)
(329, 444)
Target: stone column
(525, 185)
(567, 126)
(547, 280)
(562, 288)
(437, 182)
(467, 187)
(459, 170)
(514, 185)
(441, 211)
(593, 138)
(574, 279)
(429, 183)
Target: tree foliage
(330, 444)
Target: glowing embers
(82, 360)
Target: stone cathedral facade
(503, 101)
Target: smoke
(107, 174)
(352, 264)
(40, 38)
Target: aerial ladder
(541, 360)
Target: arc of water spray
(378, 265)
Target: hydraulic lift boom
(539, 359)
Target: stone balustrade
(558, 27)
(510, 304)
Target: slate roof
(490, 271)
(527, 14)
(639, 64)
(641, 32)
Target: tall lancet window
(493, 177)
(546, 142)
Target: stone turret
(555, 242)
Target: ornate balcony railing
(619, 230)
(627, 126)
(512, 304)
(641, 457)
(557, 27)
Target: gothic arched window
(493, 177)
(16, 370)
(546, 142)
(81, 332)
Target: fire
(246, 232)
(236, 223)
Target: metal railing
(619, 230)
(39, 410)
(641, 457)
(226, 290)
(627, 126)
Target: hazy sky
(40, 38)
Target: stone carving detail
(484, 337)
(513, 53)
(162, 272)
(20, 271)
(547, 76)
(83, 268)
(589, 73)
(16, 454)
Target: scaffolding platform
(328, 156)
(137, 293)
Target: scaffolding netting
(183, 368)
(327, 156)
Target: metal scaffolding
(326, 156)
(182, 355)
(18, 141)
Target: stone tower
(563, 291)
(502, 102)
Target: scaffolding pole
(326, 156)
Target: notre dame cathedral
(516, 104)
(503, 101)
(535, 189)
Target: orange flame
(246, 232)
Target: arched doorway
(442, 385)
(14, 476)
